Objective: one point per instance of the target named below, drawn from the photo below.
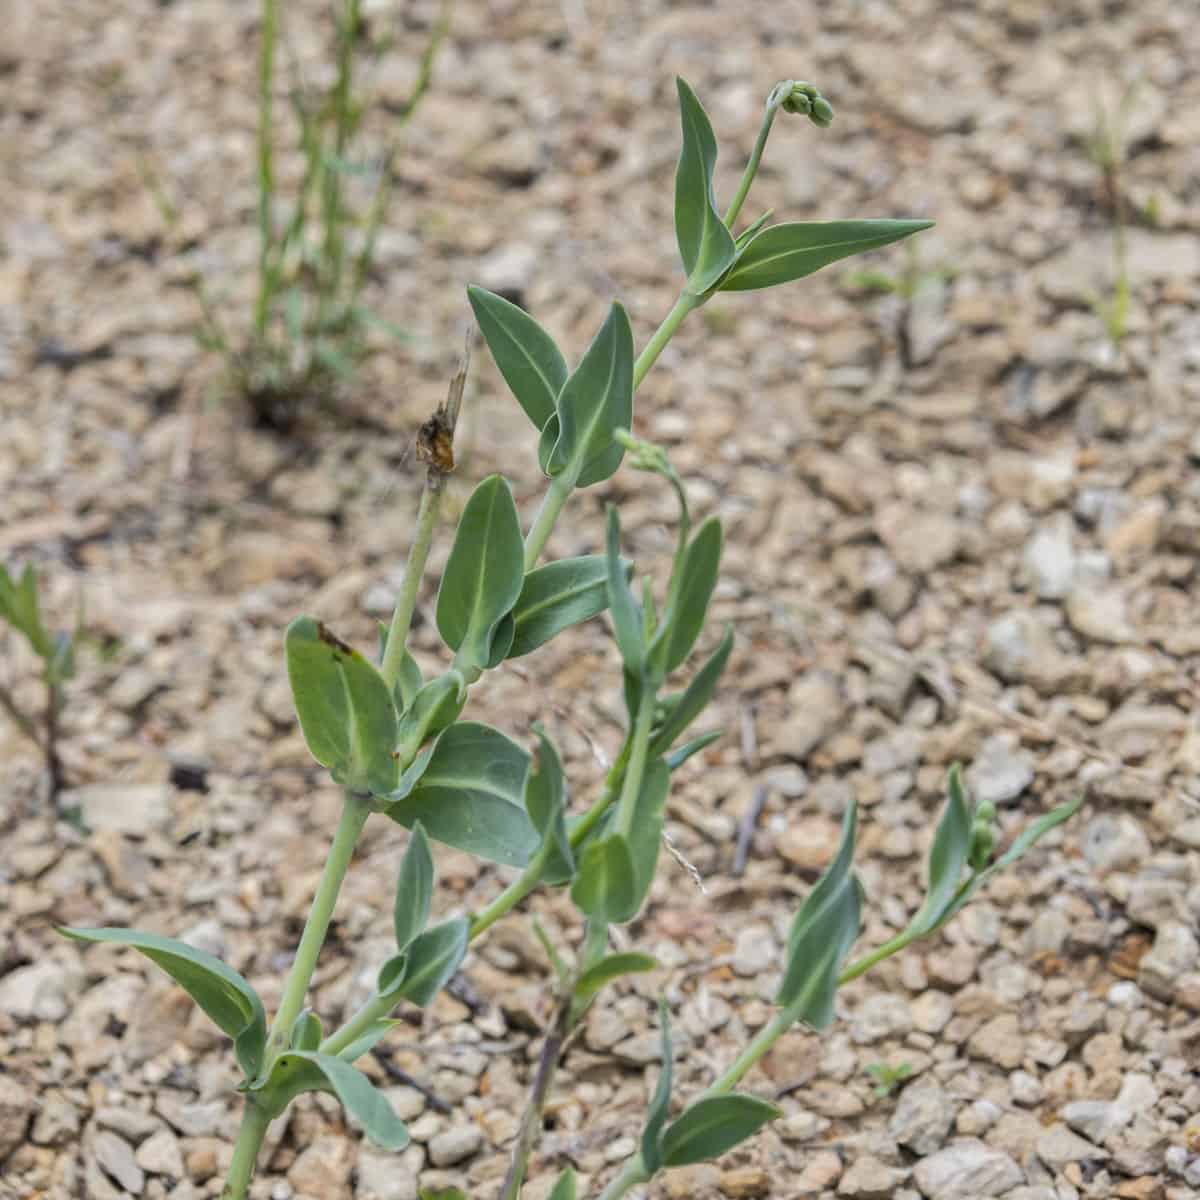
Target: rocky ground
(961, 526)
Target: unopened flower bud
(798, 103)
(982, 840)
(821, 113)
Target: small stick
(746, 829)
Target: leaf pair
(20, 607)
(575, 412)
(714, 261)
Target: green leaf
(471, 795)
(414, 889)
(782, 253)
(626, 619)
(709, 1127)
(19, 606)
(947, 857)
(303, 1071)
(596, 401)
(611, 967)
(306, 1031)
(371, 1038)
(526, 354)
(227, 999)
(646, 840)
(432, 960)
(753, 228)
(603, 887)
(483, 575)
(409, 681)
(690, 594)
(433, 708)
(678, 757)
(546, 802)
(346, 710)
(822, 933)
(660, 1104)
(556, 596)
(705, 245)
(695, 696)
(391, 974)
(564, 1187)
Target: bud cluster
(805, 100)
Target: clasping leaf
(691, 589)
(546, 802)
(414, 889)
(711, 1126)
(604, 884)
(705, 244)
(228, 1000)
(556, 596)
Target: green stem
(255, 1120)
(662, 335)
(638, 754)
(774, 100)
(510, 897)
(266, 172)
(556, 495)
(876, 956)
(632, 1173)
(414, 569)
(353, 818)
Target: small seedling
(310, 325)
(395, 741)
(20, 606)
(888, 1078)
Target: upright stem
(662, 335)
(266, 172)
(414, 569)
(637, 759)
(255, 1120)
(556, 495)
(775, 99)
(632, 1173)
(353, 818)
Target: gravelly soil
(962, 527)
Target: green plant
(310, 324)
(396, 742)
(21, 608)
(888, 1078)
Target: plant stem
(22, 722)
(638, 754)
(632, 1173)
(662, 335)
(774, 100)
(255, 1120)
(531, 1120)
(556, 495)
(266, 172)
(354, 816)
(510, 897)
(414, 569)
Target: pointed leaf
(471, 795)
(611, 967)
(660, 1104)
(596, 401)
(371, 1038)
(545, 802)
(627, 621)
(433, 959)
(705, 245)
(483, 575)
(228, 1000)
(306, 1031)
(298, 1071)
(564, 1186)
(690, 594)
(947, 857)
(433, 708)
(346, 711)
(647, 828)
(556, 596)
(391, 974)
(603, 887)
(678, 757)
(709, 1127)
(526, 354)
(782, 253)
(695, 696)
(822, 933)
(414, 889)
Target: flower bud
(822, 112)
(982, 840)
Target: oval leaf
(414, 889)
(471, 795)
(432, 960)
(306, 1031)
(556, 596)
(483, 575)
(648, 816)
(603, 887)
(791, 251)
(227, 999)
(596, 401)
(434, 707)
(709, 1127)
(611, 967)
(691, 592)
(546, 802)
(947, 857)
(705, 244)
(526, 354)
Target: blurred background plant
(309, 326)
